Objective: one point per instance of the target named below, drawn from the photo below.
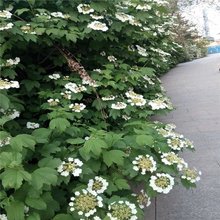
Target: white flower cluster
(5, 84)
(112, 59)
(149, 80)
(66, 94)
(3, 217)
(71, 166)
(157, 104)
(77, 107)
(85, 9)
(85, 203)
(54, 76)
(6, 27)
(11, 113)
(192, 175)
(53, 102)
(162, 182)
(96, 17)
(43, 15)
(32, 125)
(176, 142)
(142, 51)
(98, 185)
(97, 25)
(172, 158)
(135, 99)
(73, 87)
(119, 105)
(27, 29)
(5, 14)
(57, 14)
(5, 141)
(11, 62)
(90, 82)
(108, 98)
(143, 199)
(144, 7)
(144, 164)
(160, 52)
(125, 17)
(122, 210)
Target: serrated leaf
(41, 135)
(15, 211)
(144, 140)
(22, 140)
(13, 178)
(114, 156)
(44, 175)
(36, 203)
(4, 102)
(10, 159)
(59, 123)
(21, 11)
(122, 184)
(49, 162)
(94, 145)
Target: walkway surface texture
(194, 89)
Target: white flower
(143, 199)
(11, 62)
(5, 14)
(77, 107)
(170, 127)
(32, 125)
(172, 158)
(11, 113)
(6, 27)
(108, 98)
(84, 9)
(71, 166)
(54, 76)
(97, 70)
(142, 51)
(119, 105)
(125, 117)
(175, 143)
(157, 104)
(75, 88)
(96, 17)
(137, 101)
(57, 14)
(122, 210)
(135, 22)
(192, 175)
(97, 25)
(149, 80)
(103, 53)
(89, 82)
(162, 183)
(112, 59)
(143, 7)
(5, 141)
(5, 84)
(144, 164)
(53, 102)
(3, 217)
(123, 17)
(98, 185)
(66, 94)
(85, 203)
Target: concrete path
(194, 89)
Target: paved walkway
(194, 89)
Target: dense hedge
(78, 87)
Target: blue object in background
(214, 49)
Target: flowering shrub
(78, 86)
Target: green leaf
(21, 11)
(22, 140)
(93, 145)
(36, 203)
(4, 102)
(41, 135)
(75, 141)
(13, 178)
(10, 159)
(114, 156)
(44, 175)
(144, 140)
(59, 123)
(33, 216)
(15, 211)
(122, 184)
(63, 217)
(49, 162)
